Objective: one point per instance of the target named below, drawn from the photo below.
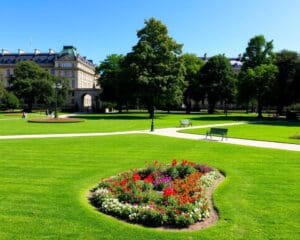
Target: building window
(67, 65)
(52, 71)
(73, 83)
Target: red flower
(136, 177)
(149, 179)
(168, 192)
(123, 182)
(174, 162)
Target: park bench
(217, 132)
(185, 123)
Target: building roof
(42, 58)
(234, 62)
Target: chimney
(205, 56)
(37, 51)
(51, 51)
(20, 51)
(240, 57)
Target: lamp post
(152, 120)
(57, 86)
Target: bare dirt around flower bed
(55, 120)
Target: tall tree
(218, 80)
(32, 84)
(193, 91)
(259, 51)
(297, 82)
(246, 89)
(113, 81)
(286, 91)
(263, 79)
(156, 67)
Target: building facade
(84, 92)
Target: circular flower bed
(172, 195)
(55, 120)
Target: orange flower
(174, 162)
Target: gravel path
(171, 132)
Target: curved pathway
(170, 132)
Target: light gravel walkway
(173, 132)
(170, 132)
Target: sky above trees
(99, 28)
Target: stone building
(84, 91)
(235, 62)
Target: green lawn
(111, 122)
(44, 183)
(267, 131)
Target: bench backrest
(185, 121)
(218, 130)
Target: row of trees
(31, 85)
(156, 74)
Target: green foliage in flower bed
(158, 195)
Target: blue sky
(101, 27)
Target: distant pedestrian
(24, 115)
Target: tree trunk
(188, 106)
(247, 107)
(259, 110)
(211, 107)
(279, 109)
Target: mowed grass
(44, 185)
(13, 125)
(266, 131)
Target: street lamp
(152, 120)
(56, 86)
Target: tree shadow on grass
(224, 118)
(114, 117)
(282, 123)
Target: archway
(86, 103)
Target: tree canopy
(218, 81)
(259, 51)
(286, 88)
(156, 67)
(33, 84)
(2, 89)
(112, 80)
(262, 79)
(192, 64)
